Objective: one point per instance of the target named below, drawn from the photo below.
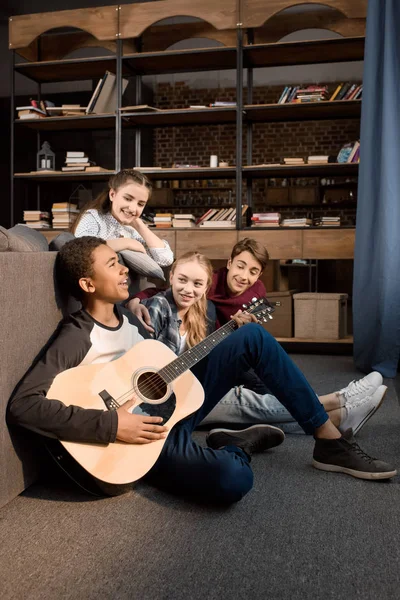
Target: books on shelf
(140, 108)
(318, 160)
(293, 161)
(266, 219)
(30, 112)
(37, 219)
(104, 97)
(163, 220)
(183, 220)
(328, 221)
(349, 153)
(79, 161)
(299, 222)
(296, 94)
(64, 214)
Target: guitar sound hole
(151, 386)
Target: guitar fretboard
(194, 355)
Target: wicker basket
(320, 316)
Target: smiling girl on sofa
(115, 214)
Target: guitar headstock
(261, 308)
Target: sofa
(30, 310)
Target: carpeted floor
(300, 534)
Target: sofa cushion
(21, 238)
(142, 264)
(58, 242)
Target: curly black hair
(75, 261)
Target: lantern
(45, 158)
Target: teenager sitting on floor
(102, 331)
(251, 403)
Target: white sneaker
(358, 412)
(361, 389)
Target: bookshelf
(131, 57)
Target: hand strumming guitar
(137, 429)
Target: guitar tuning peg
(244, 305)
(264, 319)
(254, 299)
(270, 316)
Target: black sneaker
(256, 438)
(344, 455)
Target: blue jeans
(225, 476)
(242, 407)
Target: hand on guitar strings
(138, 429)
(242, 318)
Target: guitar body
(119, 463)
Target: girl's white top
(107, 227)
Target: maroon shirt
(225, 304)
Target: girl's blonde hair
(195, 320)
(103, 203)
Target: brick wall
(271, 141)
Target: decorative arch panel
(136, 18)
(254, 13)
(101, 23)
(160, 38)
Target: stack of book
(184, 220)
(64, 214)
(293, 161)
(347, 91)
(267, 219)
(37, 219)
(30, 112)
(318, 160)
(297, 94)
(79, 161)
(300, 222)
(214, 217)
(349, 153)
(328, 222)
(163, 220)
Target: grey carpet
(299, 534)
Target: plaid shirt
(166, 322)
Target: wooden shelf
(304, 53)
(346, 340)
(181, 61)
(69, 123)
(341, 109)
(330, 169)
(68, 70)
(200, 173)
(68, 176)
(182, 116)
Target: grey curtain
(376, 289)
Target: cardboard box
(318, 316)
(281, 324)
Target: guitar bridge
(108, 400)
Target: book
(96, 169)
(140, 108)
(336, 92)
(94, 96)
(77, 159)
(73, 168)
(107, 98)
(353, 151)
(345, 152)
(73, 154)
(217, 224)
(63, 205)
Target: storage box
(281, 324)
(320, 315)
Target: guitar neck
(194, 355)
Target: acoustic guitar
(163, 386)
